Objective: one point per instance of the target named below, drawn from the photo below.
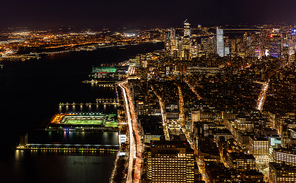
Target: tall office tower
(207, 45)
(186, 42)
(170, 161)
(220, 42)
(249, 41)
(232, 46)
(258, 52)
(187, 30)
(292, 42)
(173, 39)
(226, 50)
(168, 40)
(173, 33)
(226, 47)
(275, 46)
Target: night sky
(138, 13)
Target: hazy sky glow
(136, 13)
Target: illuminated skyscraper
(187, 30)
(220, 42)
(258, 52)
(186, 41)
(275, 46)
(226, 50)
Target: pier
(99, 101)
(100, 83)
(71, 147)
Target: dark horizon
(138, 14)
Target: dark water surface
(29, 96)
(39, 167)
(66, 137)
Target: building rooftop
(286, 150)
(171, 144)
(241, 156)
(282, 166)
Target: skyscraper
(187, 30)
(186, 42)
(275, 46)
(220, 42)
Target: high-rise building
(187, 30)
(220, 42)
(226, 50)
(170, 161)
(226, 46)
(275, 46)
(186, 41)
(258, 52)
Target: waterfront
(30, 93)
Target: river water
(30, 93)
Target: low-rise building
(241, 161)
(281, 173)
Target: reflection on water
(72, 137)
(34, 166)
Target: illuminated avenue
(132, 150)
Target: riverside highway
(135, 145)
(132, 146)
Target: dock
(98, 148)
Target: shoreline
(77, 48)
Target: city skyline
(148, 92)
(135, 14)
